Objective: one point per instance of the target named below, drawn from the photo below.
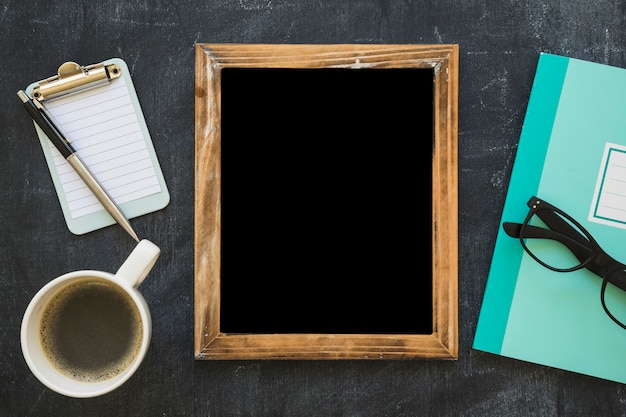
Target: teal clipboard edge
(525, 178)
(131, 209)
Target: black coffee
(91, 330)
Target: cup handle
(139, 263)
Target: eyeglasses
(566, 246)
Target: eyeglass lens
(562, 250)
(614, 301)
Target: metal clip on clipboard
(71, 77)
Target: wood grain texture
(209, 341)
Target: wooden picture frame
(209, 341)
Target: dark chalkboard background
(499, 46)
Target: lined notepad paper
(106, 134)
(107, 129)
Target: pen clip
(71, 77)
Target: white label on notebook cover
(609, 200)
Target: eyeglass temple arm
(615, 273)
(581, 251)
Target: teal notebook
(571, 154)
(106, 125)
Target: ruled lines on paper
(104, 129)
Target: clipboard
(98, 109)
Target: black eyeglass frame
(580, 242)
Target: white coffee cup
(65, 358)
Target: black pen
(62, 143)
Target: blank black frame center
(322, 231)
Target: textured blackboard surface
(499, 46)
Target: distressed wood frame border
(209, 341)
